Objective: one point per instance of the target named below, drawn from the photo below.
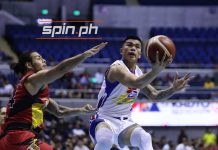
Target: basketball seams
(147, 47)
(162, 46)
(156, 40)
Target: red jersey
(26, 108)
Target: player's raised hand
(180, 83)
(94, 50)
(87, 109)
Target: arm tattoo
(164, 94)
(154, 94)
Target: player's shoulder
(117, 64)
(115, 71)
(116, 67)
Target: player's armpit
(34, 82)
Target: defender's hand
(95, 49)
(87, 109)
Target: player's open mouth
(132, 54)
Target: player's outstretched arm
(120, 74)
(37, 80)
(62, 111)
(178, 84)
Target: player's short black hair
(133, 37)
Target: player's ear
(121, 51)
(28, 65)
(140, 54)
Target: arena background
(192, 24)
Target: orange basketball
(162, 44)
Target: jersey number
(12, 101)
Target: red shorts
(12, 139)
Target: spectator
(183, 144)
(164, 143)
(209, 83)
(182, 135)
(80, 146)
(209, 138)
(78, 131)
(84, 78)
(197, 81)
(7, 88)
(99, 76)
(2, 115)
(189, 146)
(69, 145)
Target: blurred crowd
(208, 141)
(72, 134)
(87, 84)
(206, 81)
(6, 88)
(66, 134)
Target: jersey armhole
(23, 81)
(106, 73)
(106, 76)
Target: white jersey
(115, 99)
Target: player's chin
(44, 67)
(133, 59)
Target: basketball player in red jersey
(24, 116)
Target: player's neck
(130, 65)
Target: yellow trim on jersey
(123, 99)
(37, 114)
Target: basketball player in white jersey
(112, 123)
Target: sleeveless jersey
(25, 108)
(115, 99)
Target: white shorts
(117, 125)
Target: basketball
(160, 43)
